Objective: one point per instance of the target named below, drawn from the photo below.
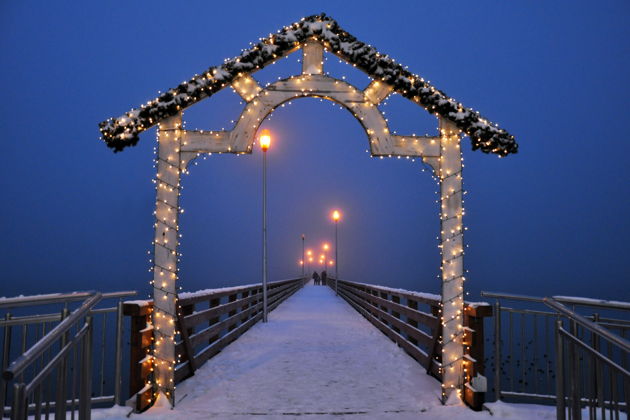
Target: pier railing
(545, 350)
(412, 320)
(48, 361)
(209, 321)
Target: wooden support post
(413, 305)
(395, 314)
(185, 332)
(232, 298)
(165, 253)
(474, 352)
(140, 362)
(452, 246)
(212, 321)
(312, 58)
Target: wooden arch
(363, 104)
(178, 147)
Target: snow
(203, 292)
(316, 358)
(140, 303)
(423, 295)
(586, 301)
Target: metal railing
(528, 364)
(47, 360)
(588, 377)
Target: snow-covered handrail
(399, 315)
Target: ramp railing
(412, 320)
(546, 351)
(53, 367)
(209, 321)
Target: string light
(315, 35)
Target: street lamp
(336, 215)
(302, 262)
(323, 257)
(265, 142)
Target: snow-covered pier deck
(315, 356)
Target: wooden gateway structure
(312, 35)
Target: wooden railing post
(413, 305)
(396, 299)
(212, 303)
(140, 361)
(232, 298)
(474, 354)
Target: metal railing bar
(30, 319)
(512, 296)
(595, 303)
(583, 400)
(38, 348)
(55, 360)
(103, 310)
(594, 352)
(58, 298)
(118, 355)
(580, 301)
(589, 325)
(528, 395)
(528, 311)
(101, 399)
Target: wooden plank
(401, 293)
(207, 314)
(247, 87)
(412, 350)
(377, 91)
(419, 316)
(312, 58)
(387, 320)
(416, 146)
(184, 332)
(195, 141)
(202, 297)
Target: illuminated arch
(312, 35)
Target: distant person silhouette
(315, 278)
(324, 277)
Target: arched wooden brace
(261, 102)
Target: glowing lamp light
(326, 247)
(336, 215)
(265, 140)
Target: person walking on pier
(315, 278)
(324, 277)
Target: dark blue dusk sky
(552, 219)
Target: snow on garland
(123, 131)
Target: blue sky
(552, 219)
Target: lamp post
(309, 254)
(303, 236)
(265, 141)
(336, 215)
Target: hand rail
(55, 334)
(589, 325)
(579, 301)
(14, 302)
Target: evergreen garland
(123, 131)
